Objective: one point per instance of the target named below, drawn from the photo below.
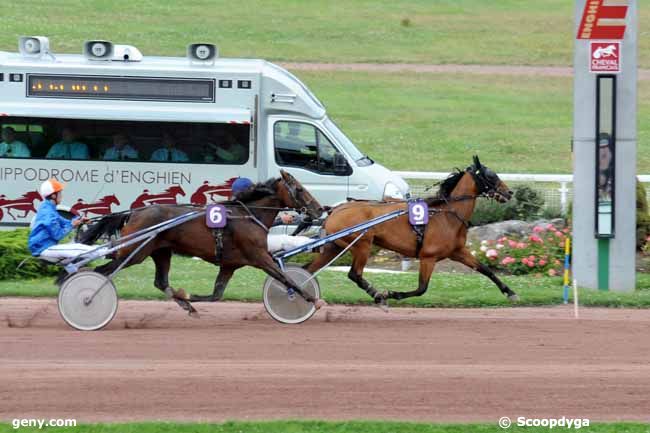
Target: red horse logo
(101, 207)
(24, 204)
(167, 197)
(207, 191)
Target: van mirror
(341, 166)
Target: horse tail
(108, 225)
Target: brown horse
(444, 236)
(243, 240)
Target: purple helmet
(240, 185)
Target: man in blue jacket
(48, 227)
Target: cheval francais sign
(605, 57)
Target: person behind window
(68, 147)
(228, 151)
(12, 148)
(169, 152)
(121, 149)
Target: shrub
(526, 204)
(13, 250)
(541, 252)
(642, 217)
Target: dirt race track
(153, 362)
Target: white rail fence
(555, 188)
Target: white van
(126, 131)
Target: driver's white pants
(59, 252)
(285, 242)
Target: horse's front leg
(464, 256)
(268, 265)
(225, 274)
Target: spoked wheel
(287, 306)
(87, 301)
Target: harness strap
(218, 244)
(253, 217)
(419, 236)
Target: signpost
(604, 144)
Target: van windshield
(356, 155)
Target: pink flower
(530, 264)
(536, 239)
(566, 230)
(542, 262)
(503, 239)
(521, 245)
(524, 260)
(508, 260)
(512, 244)
(550, 226)
(531, 258)
(559, 235)
(538, 229)
(491, 254)
(552, 272)
(557, 262)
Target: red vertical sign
(603, 19)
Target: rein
(253, 217)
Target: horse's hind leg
(225, 273)
(162, 259)
(426, 269)
(329, 252)
(360, 254)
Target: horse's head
(176, 190)
(32, 195)
(112, 199)
(488, 183)
(295, 195)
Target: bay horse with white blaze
(243, 241)
(444, 235)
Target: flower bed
(541, 252)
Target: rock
(508, 228)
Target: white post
(563, 197)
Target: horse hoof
(383, 306)
(513, 298)
(320, 303)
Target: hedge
(13, 251)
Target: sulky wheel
(87, 301)
(287, 307)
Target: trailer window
(302, 145)
(102, 140)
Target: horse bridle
(484, 186)
(294, 196)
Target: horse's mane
(256, 192)
(446, 187)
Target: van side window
(302, 145)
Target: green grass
(325, 427)
(445, 290)
(527, 32)
(516, 124)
